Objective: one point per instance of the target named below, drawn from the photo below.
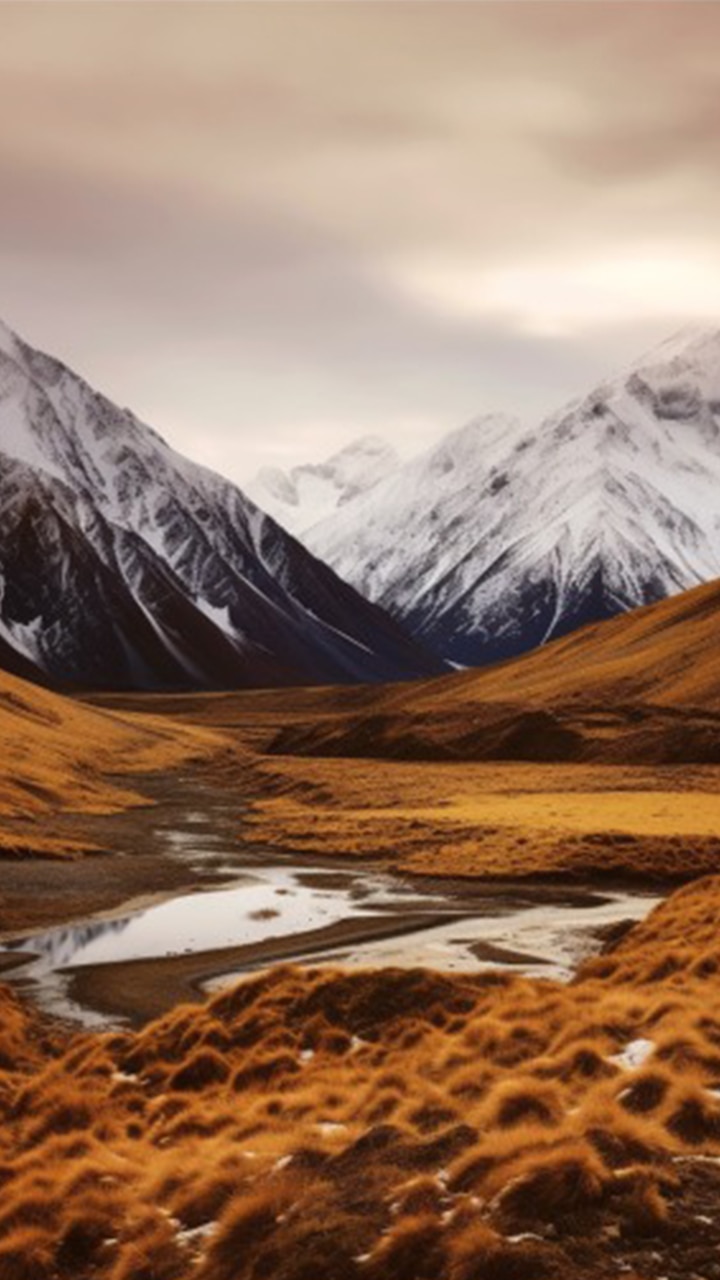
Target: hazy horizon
(269, 230)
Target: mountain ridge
(124, 564)
(610, 504)
(304, 495)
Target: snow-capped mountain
(501, 537)
(124, 564)
(301, 497)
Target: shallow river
(542, 929)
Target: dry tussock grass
(527, 768)
(60, 752)
(490, 820)
(595, 813)
(379, 1125)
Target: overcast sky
(268, 228)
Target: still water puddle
(271, 903)
(542, 931)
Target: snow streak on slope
(124, 564)
(299, 498)
(502, 538)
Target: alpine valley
(360, 820)
(413, 981)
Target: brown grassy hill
(386, 1125)
(665, 654)
(595, 755)
(644, 687)
(526, 768)
(58, 754)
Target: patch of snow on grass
(635, 1054)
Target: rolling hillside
(58, 755)
(642, 687)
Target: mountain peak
(5, 331)
(10, 343)
(300, 498)
(363, 446)
(499, 538)
(124, 564)
(481, 435)
(689, 343)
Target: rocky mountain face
(124, 565)
(502, 538)
(301, 497)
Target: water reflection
(271, 904)
(58, 947)
(543, 930)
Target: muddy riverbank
(181, 901)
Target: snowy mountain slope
(502, 538)
(124, 564)
(301, 497)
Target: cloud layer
(271, 227)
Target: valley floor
(390, 1124)
(493, 820)
(465, 818)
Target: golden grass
(19, 845)
(643, 688)
(385, 1124)
(639, 656)
(394, 1125)
(447, 776)
(494, 820)
(463, 817)
(59, 754)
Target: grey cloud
(207, 208)
(632, 144)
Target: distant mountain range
(123, 564)
(301, 497)
(501, 538)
